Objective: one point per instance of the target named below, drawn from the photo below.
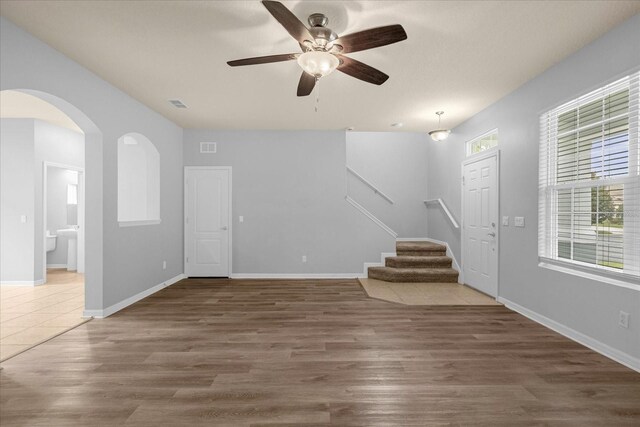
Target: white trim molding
(101, 314)
(137, 223)
(383, 257)
(587, 272)
(595, 345)
(295, 275)
(56, 265)
(23, 282)
(371, 216)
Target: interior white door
(207, 222)
(480, 219)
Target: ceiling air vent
(208, 147)
(177, 103)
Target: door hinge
(187, 260)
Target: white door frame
(184, 215)
(81, 197)
(492, 152)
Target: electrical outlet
(241, 218)
(304, 258)
(623, 319)
(164, 265)
(518, 221)
(505, 221)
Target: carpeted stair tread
(418, 261)
(434, 275)
(420, 247)
(421, 253)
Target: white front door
(480, 224)
(207, 222)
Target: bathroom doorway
(63, 219)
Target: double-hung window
(589, 187)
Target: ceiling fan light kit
(439, 134)
(323, 50)
(318, 63)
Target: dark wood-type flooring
(312, 353)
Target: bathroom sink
(68, 232)
(72, 246)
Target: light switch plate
(23, 219)
(518, 221)
(505, 221)
(241, 218)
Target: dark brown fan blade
(361, 71)
(306, 85)
(288, 20)
(374, 37)
(263, 59)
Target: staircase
(416, 262)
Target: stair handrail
(445, 209)
(371, 216)
(370, 185)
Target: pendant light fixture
(439, 134)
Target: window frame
(547, 174)
(469, 143)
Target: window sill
(137, 223)
(613, 278)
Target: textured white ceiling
(460, 56)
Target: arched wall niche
(138, 181)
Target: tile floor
(30, 315)
(425, 293)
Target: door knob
(224, 228)
(492, 234)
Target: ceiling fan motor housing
(322, 34)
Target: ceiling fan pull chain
(317, 93)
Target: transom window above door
(482, 143)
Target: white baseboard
(595, 345)
(383, 256)
(101, 314)
(294, 275)
(454, 261)
(56, 265)
(22, 282)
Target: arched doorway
(91, 221)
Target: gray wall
(395, 163)
(120, 262)
(16, 199)
(290, 188)
(587, 306)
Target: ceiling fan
(323, 51)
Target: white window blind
(589, 188)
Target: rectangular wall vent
(177, 103)
(208, 147)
